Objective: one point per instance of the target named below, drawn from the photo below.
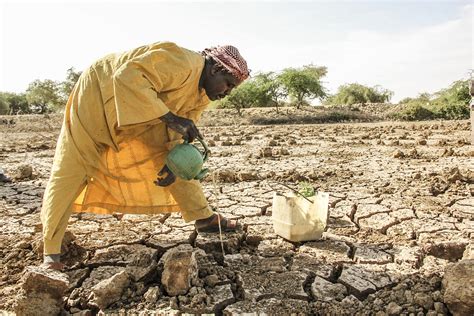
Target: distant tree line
(289, 87)
(41, 96)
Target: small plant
(306, 189)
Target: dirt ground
(401, 209)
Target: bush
(356, 93)
(451, 111)
(414, 112)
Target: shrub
(414, 112)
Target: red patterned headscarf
(229, 57)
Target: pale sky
(405, 46)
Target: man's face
(219, 83)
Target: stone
(222, 296)
(179, 269)
(272, 306)
(424, 300)
(211, 280)
(469, 252)
(257, 285)
(440, 308)
(152, 294)
(380, 222)
(110, 290)
(41, 290)
(364, 254)
(308, 263)
(22, 172)
(331, 251)
(209, 243)
(458, 284)
(393, 309)
(274, 247)
(325, 290)
(398, 154)
(356, 283)
(449, 250)
(140, 260)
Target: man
(126, 112)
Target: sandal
(211, 224)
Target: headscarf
(229, 57)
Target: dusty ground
(401, 209)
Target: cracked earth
(401, 209)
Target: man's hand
(182, 125)
(166, 181)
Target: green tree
(17, 103)
(44, 96)
(303, 84)
(356, 93)
(4, 106)
(244, 96)
(67, 85)
(269, 91)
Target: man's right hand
(182, 125)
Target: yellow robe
(112, 143)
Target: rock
(266, 152)
(152, 295)
(357, 284)
(458, 284)
(393, 309)
(364, 254)
(3, 177)
(179, 269)
(222, 296)
(110, 290)
(449, 250)
(140, 260)
(211, 280)
(327, 291)
(22, 172)
(424, 300)
(440, 308)
(257, 285)
(469, 252)
(41, 290)
(398, 154)
(247, 176)
(329, 250)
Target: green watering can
(186, 160)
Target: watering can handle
(206, 149)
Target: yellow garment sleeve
(138, 82)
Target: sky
(405, 46)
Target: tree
(4, 106)
(302, 84)
(244, 96)
(356, 93)
(44, 96)
(17, 103)
(269, 90)
(66, 86)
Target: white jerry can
(297, 219)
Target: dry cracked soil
(401, 210)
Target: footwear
(211, 224)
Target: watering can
(186, 160)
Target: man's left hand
(166, 181)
